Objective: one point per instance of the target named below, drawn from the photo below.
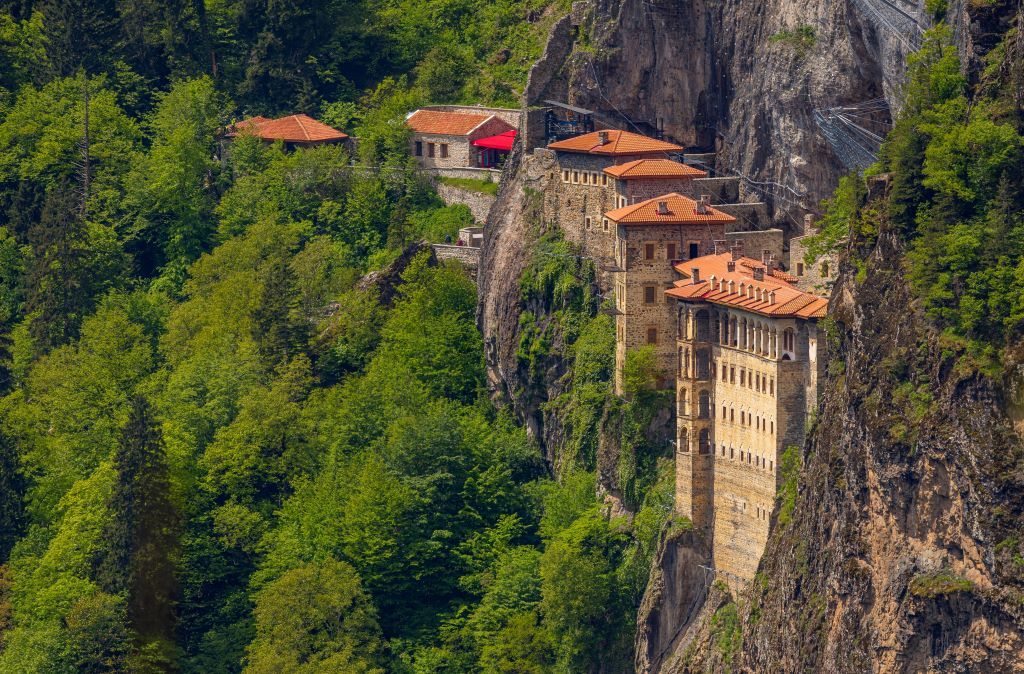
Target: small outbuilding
(459, 139)
(294, 131)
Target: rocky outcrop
(912, 496)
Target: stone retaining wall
(493, 175)
(470, 257)
(479, 203)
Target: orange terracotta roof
(619, 143)
(770, 296)
(654, 168)
(680, 211)
(290, 129)
(445, 123)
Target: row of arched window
(753, 335)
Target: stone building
(814, 276)
(749, 355)
(445, 138)
(583, 192)
(650, 237)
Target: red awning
(503, 141)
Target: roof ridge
(302, 127)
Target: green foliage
(315, 618)
(471, 184)
(582, 601)
(938, 583)
(639, 372)
(789, 477)
(800, 39)
(727, 634)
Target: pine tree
(279, 329)
(141, 540)
(57, 287)
(12, 493)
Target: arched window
(788, 340)
(732, 332)
(684, 441)
(704, 405)
(824, 270)
(703, 364)
(703, 322)
(704, 441)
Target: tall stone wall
(754, 243)
(479, 203)
(752, 402)
(813, 277)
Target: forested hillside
(223, 448)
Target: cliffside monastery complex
(736, 336)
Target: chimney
(765, 256)
(703, 203)
(662, 208)
(808, 223)
(602, 137)
(771, 297)
(737, 249)
(719, 246)
(695, 271)
(758, 273)
(730, 265)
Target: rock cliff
(902, 554)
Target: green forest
(219, 450)
(223, 449)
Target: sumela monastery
(728, 303)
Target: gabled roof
(620, 143)
(681, 210)
(290, 129)
(654, 168)
(444, 123)
(773, 295)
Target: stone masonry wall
(479, 203)
(815, 277)
(467, 255)
(641, 277)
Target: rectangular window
(430, 149)
(723, 411)
(732, 415)
(732, 375)
(649, 292)
(670, 251)
(604, 180)
(799, 268)
(771, 387)
(743, 417)
(648, 251)
(652, 335)
(565, 175)
(771, 464)
(743, 377)
(694, 247)
(604, 221)
(586, 223)
(575, 176)
(419, 148)
(732, 453)
(622, 201)
(444, 150)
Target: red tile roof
(290, 129)
(680, 211)
(620, 143)
(770, 296)
(446, 123)
(654, 168)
